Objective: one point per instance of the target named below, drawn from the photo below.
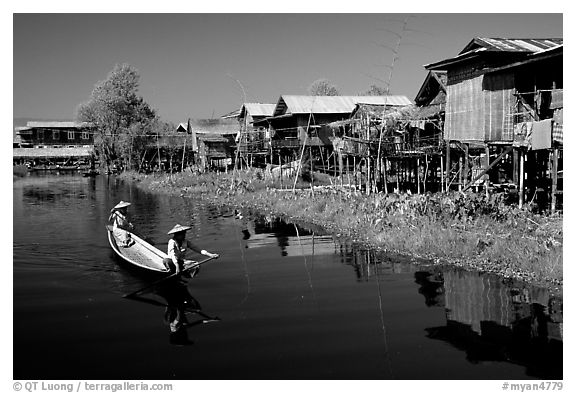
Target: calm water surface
(292, 302)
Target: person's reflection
(431, 287)
(179, 307)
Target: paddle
(192, 266)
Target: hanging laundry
(523, 135)
(556, 100)
(558, 133)
(542, 134)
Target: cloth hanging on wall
(542, 134)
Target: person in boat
(177, 249)
(120, 221)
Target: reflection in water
(179, 305)
(491, 321)
(294, 300)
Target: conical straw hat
(120, 205)
(179, 228)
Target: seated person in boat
(121, 223)
(177, 248)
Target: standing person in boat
(177, 248)
(119, 219)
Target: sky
(192, 65)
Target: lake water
(282, 301)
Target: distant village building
(294, 115)
(253, 138)
(212, 144)
(40, 134)
(53, 144)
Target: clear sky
(188, 62)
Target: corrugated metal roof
(529, 45)
(232, 115)
(481, 45)
(257, 109)
(56, 124)
(211, 126)
(333, 104)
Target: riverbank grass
(468, 230)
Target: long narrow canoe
(141, 253)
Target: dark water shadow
(494, 322)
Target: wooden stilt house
(495, 86)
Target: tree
(376, 90)
(117, 112)
(323, 87)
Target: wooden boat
(141, 253)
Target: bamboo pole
(497, 160)
(348, 169)
(302, 154)
(385, 175)
(184, 154)
(158, 146)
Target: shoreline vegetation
(471, 231)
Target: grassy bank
(470, 230)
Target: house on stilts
(503, 118)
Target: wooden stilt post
(515, 166)
(368, 179)
(466, 158)
(354, 163)
(554, 178)
(418, 174)
(461, 177)
(280, 165)
(360, 175)
(448, 167)
(521, 180)
(340, 165)
(311, 167)
(441, 173)
(487, 181)
(425, 172)
(397, 176)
